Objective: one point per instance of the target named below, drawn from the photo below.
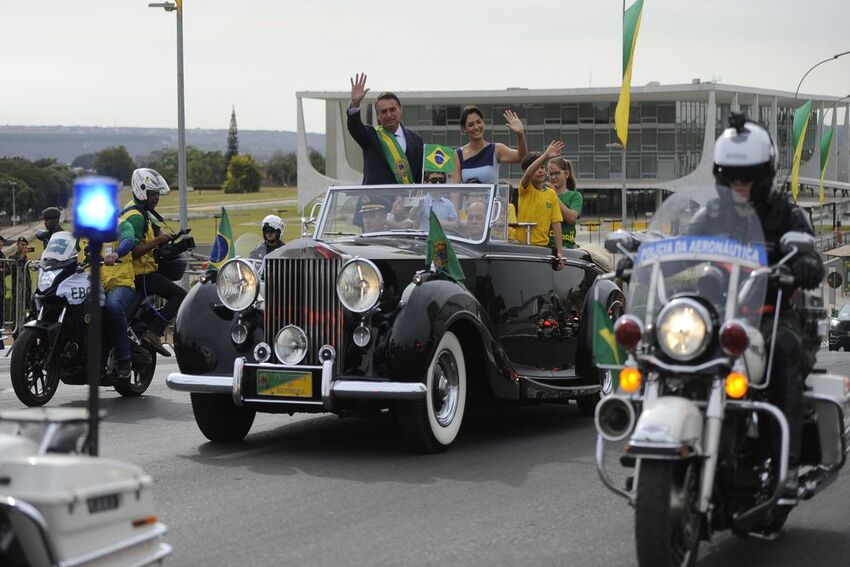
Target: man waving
(391, 153)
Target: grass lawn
(242, 220)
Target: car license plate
(284, 384)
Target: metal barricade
(16, 288)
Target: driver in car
(373, 212)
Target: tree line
(240, 174)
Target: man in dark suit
(391, 153)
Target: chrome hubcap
(445, 389)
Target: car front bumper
(331, 388)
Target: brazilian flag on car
(438, 158)
(606, 351)
(222, 249)
(440, 254)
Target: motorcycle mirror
(799, 241)
(42, 234)
(621, 241)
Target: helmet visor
(729, 174)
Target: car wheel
(219, 419)
(432, 424)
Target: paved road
(519, 488)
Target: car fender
(606, 292)
(202, 329)
(426, 312)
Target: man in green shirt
(563, 181)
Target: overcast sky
(113, 62)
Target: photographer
(140, 212)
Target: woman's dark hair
(471, 109)
(565, 165)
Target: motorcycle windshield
(705, 245)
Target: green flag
(631, 25)
(222, 249)
(801, 124)
(440, 252)
(825, 148)
(606, 351)
(438, 158)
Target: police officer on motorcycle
(744, 169)
(272, 227)
(140, 212)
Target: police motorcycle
(700, 447)
(52, 347)
(60, 506)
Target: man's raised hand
(358, 89)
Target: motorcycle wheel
(139, 379)
(667, 521)
(33, 383)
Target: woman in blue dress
(479, 159)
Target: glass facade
(665, 138)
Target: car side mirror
(310, 220)
(621, 241)
(800, 241)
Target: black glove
(624, 268)
(808, 271)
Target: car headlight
(45, 279)
(290, 345)
(359, 285)
(683, 329)
(237, 285)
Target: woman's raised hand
(358, 89)
(513, 122)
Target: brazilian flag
(606, 351)
(440, 252)
(222, 249)
(439, 158)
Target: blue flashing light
(96, 208)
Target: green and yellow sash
(395, 156)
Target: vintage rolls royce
(353, 321)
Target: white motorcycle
(61, 507)
(705, 449)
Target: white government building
(672, 129)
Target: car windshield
(463, 211)
(845, 311)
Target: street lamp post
(623, 191)
(181, 116)
(14, 186)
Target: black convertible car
(352, 321)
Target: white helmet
(745, 152)
(144, 180)
(274, 222)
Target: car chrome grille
(302, 292)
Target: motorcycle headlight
(290, 345)
(237, 285)
(45, 279)
(359, 285)
(833, 322)
(683, 329)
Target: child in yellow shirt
(538, 203)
